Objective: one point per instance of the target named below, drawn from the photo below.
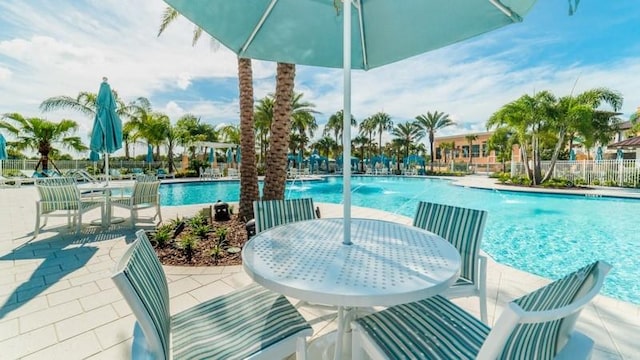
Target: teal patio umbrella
(211, 157)
(3, 151)
(599, 154)
(229, 157)
(572, 155)
(94, 157)
(238, 156)
(149, 155)
(365, 35)
(106, 136)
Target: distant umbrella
(572, 155)
(229, 156)
(94, 156)
(3, 151)
(149, 155)
(599, 155)
(106, 136)
(238, 156)
(211, 156)
(619, 154)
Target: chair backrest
(538, 325)
(145, 192)
(270, 213)
(146, 178)
(141, 280)
(58, 193)
(462, 227)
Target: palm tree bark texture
(276, 172)
(248, 172)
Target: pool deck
(58, 301)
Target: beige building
(460, 152)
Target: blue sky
(51, 48)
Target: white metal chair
(145, 195)
(249, 323)
(539, 325)
(463, 228)
(61, 194)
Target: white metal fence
(64, 165)
(592, 172)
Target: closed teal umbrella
(94, 157)
(106, 136)
(229, 157)
(599, 155)
(3, 151)
(572, 155)
(313, 32)
(149, 155)
(211, 156)
(619, 154)
(238, 156)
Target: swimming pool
(548, 235)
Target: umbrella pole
(346, 126)
(106, 167)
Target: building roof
(631, 143)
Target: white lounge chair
(10, 182)
(250, 323)
(539, 325)
(463, 228)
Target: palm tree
(502, 141)
(470, 139)
(42, 135)
(303, 121)
(249, 191)
(191, 129)
(406, 134)
(276, 164)
(368, 127)
(335, 124)
(326, 145)
(432, 122)
(230, 134)
(384, 123)
(362, 142)
(446, 148)
(263, 118)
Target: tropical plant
(335, 124)
(368, 128)
(470, 139)
(325, 146)
(41, 135)
(302, 120)
(501, 142)
(406, 134)
(382, 121)
(431, 123)
(249, 173)
(263, 118)
(188, 244)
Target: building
(460, 151)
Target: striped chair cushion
(235, 326)
(270, 213)
(58, 193)
(462, 227)
(145, 192)
(144, 273)
(540, 340)
(433, 328)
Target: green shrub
(201, 231)
(163, 234)
(188, 243)
(197, 221)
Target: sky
(53, 48)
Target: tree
(276, 164)
(263, 118)
(335, 124)
(362, 142)
(303, 121)
(326, 145)
(382, 121)
(367, 128)
(249, 191)
(470, 139)
(431, 123)
(191, 129)
(230, 134)
(42, 135)
(406, 134)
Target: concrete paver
(57, 299)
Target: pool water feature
(544, 234)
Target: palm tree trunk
(554, 157)
(276, 172)
(248, 172)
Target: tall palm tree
(42, 135)
(368, 128)
(470, 139)
(406, 134)
(191, 129)
(431, 123)
(231, 134)
(335, 124)
(276, 164)
(303, 121)
(263, 118)
(502, 141)
(363, 143)
(326, 145)
(249, 191)
(384, 123)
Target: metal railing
(592, 172)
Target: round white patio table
(107, 192)
(387, 264)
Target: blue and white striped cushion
(462, 227)
(433, 328)
(540, 340)
(144, 273)
(236, 325)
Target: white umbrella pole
(346, 123)
(106, 167)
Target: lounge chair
(539, 325)
(61, 194)
(270, 213)
(163, 174)
(10, 182)
(463, 228)
(145, 195)
(135, 172)
(232, 173)
(250, 323)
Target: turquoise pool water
(548, 235)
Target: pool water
(548, 235)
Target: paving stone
(101, 298)
(86, 321)
(49, 316)
(116, 331)
(18, 346)
(72, 293)
(8, 329)
(78, 347)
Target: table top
(387, 264)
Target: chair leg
(482, 282)
(37, 229)
(301, 348)
(357, 352)
(158, 212)
(79, 223)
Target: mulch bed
(171, 254)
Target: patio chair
(145, 195)
(463, 228)
(61, 194)
(249, 323)
(270, 213)
(539, 325)
(163, 174)
(10, 182)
